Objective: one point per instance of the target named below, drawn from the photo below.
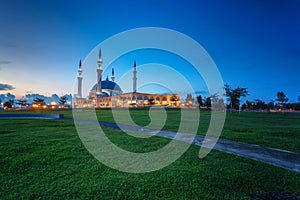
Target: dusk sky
(254, 43)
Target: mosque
(107, 93)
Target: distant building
(106, 93)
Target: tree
(39, 102)
(234, 95)
(249, 105)
(299, 99)
(7, 105)
(22, 103)
(200, 101)
(63, 100)
(244, 106)
(189, 101)
(207, 102)
(271, 105)
(217, 103)
(281, 98)
(260, 105)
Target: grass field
(46, 159)
(276, 130)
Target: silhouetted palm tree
(63, 100)
(22, 103)
(40, 102)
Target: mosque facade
(107, 93)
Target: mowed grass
(276, 130)
(46, 159)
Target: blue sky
(255, 44)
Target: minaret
(99, 73)
(134, 77)
(112, 74)
(79, 77)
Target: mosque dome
(104, 94)
(108, 85)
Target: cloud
(6, 87)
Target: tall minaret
(79, 77)
(99, 73)
(134, 77)
(112, 74)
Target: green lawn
(46, 159)
(276, 130)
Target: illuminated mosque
(107, 93)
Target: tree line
(37, 101)
(234, 95)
